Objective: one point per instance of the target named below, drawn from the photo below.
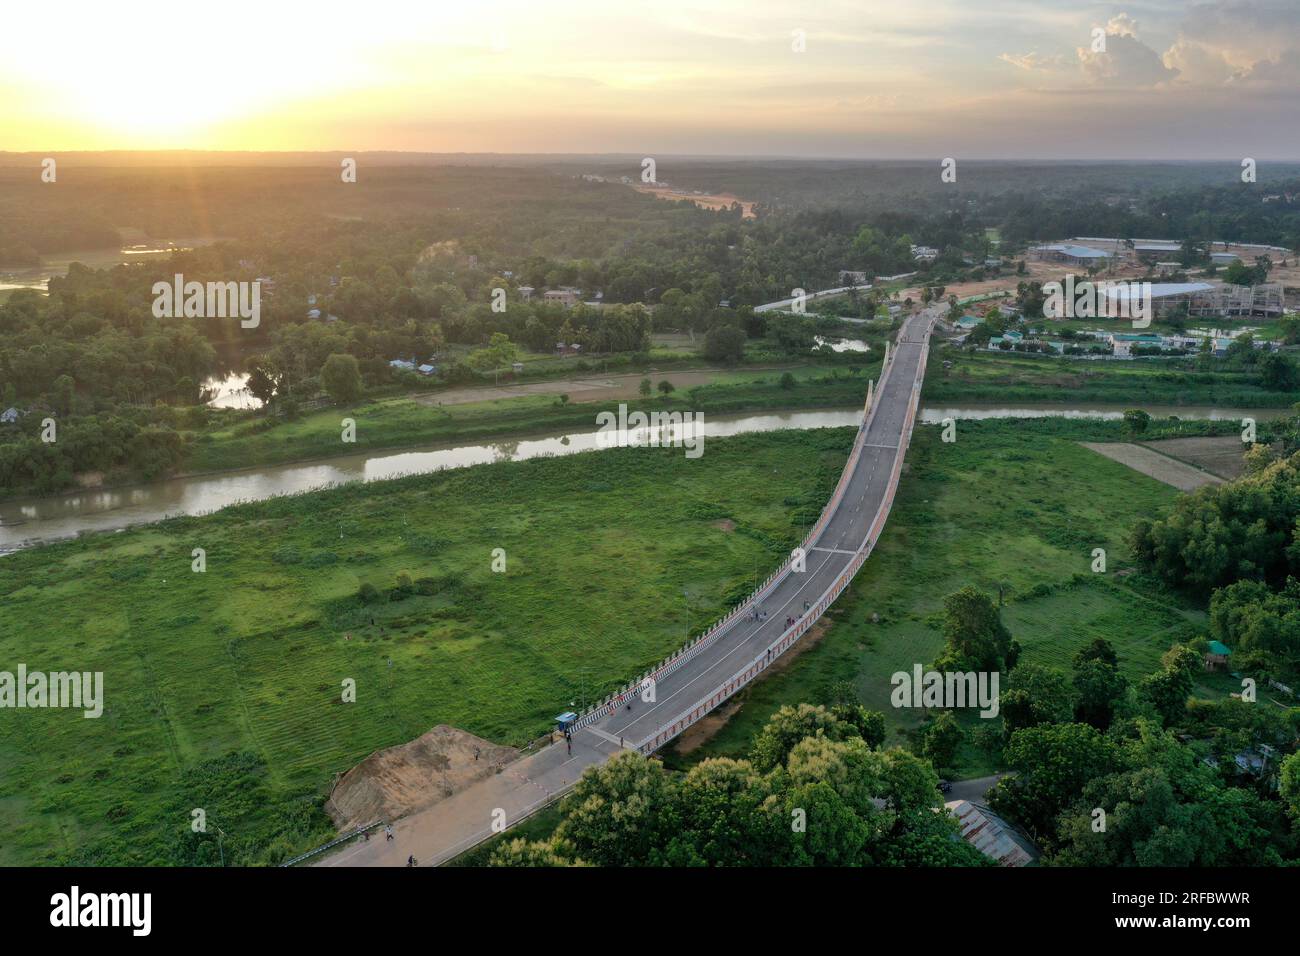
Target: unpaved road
(595, 388)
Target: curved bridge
(702, 675)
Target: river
(29, 521)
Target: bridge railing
(702, 642)
(765, 658)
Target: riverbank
(408, 421)
(985, 377)
(33, 521)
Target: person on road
(410, 861)
(388, 832)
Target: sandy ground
(392, 783)
(1222, 456)
(1162, 468)
(710, 201)
(597, 389)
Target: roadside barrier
(765, 658)
(698, 645)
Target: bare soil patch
(1162, 468)
(1222, 456)
(725, 524)
(412, 776)
(705, 201)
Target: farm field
(1154, 464)
(1222, 456)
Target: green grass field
(1017, 503)
(223, 688)
(984, 376)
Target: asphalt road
(826, 560)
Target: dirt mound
(411, 776)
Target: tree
(621, 812)
(1277, 372)
(526, 853)
(341, 378)
(666, 388)
(726, 820)
(646, 388)
(788, 726)
(1289, 785)
(1099, 686)
(793, 334)
(64, 393)
(1098, 649)
(1035, 695)
(1258, 456)
(1136, 421)
(1053, 762)
(500, 351)
(1167, 689)
(942, 739)
(974, 637)
(724, 343)
(869, 724)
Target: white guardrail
(695, 647)
(783, 643)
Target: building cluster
(1102, 251)
(566, 295)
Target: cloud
(1033, 62)
(1280, 74)
(1126, 61)
(1198, 63)
(1122, 25)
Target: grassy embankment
(400, 422)
(986, 377)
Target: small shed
(1217, 655)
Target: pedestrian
(476, 753)
(568, 741)
(410, 860)
(388, 833)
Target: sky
(976, 79)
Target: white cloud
(1126, 61)
(1033, 62)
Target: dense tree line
(1102, 775)
(1238, 543)
(817, 790)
